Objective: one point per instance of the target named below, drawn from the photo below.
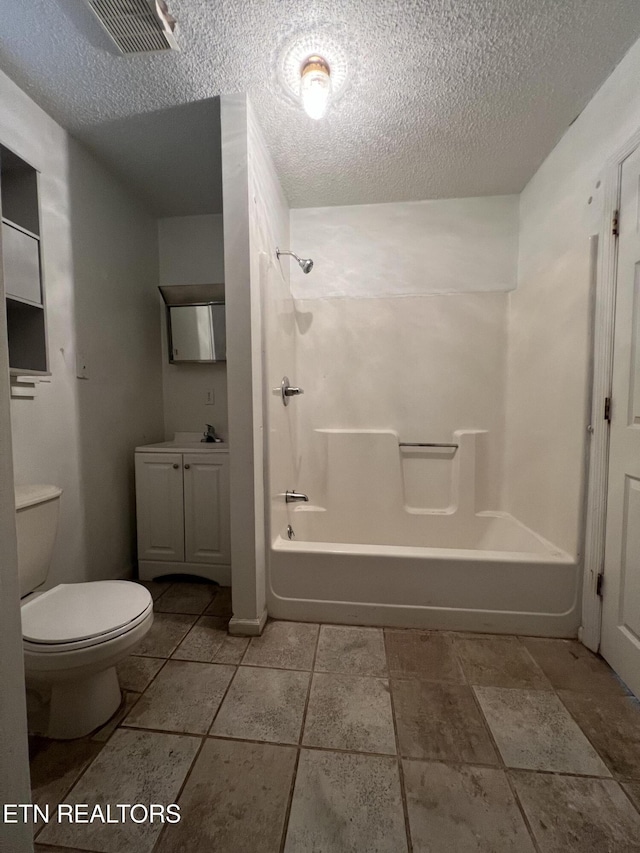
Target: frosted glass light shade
(315, 86)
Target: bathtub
(378, 561)
(501, 578)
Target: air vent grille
(136, 26)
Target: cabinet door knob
(187, 466)
(175, 465)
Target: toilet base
(77, 708)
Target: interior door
(620, 643)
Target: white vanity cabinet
(182, 501)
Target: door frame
(598, 428)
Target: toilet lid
(69, 613)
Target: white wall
(423, 365)
(548, 314)
(100, 262)
(46, 431)
(14, 767)
(115, 273)
(192, 252)
(256, 219)
(407, 248)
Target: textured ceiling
(446, 97)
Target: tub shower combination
(400, 533)
(359, 552)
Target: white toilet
(73, 634)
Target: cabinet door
(159, 502)
(21, 259)
(206, 507)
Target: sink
(188, 442)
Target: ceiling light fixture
(315, 86)
(313, 72)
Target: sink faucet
(210, 434)
(292, 497)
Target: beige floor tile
(167, 631)
(350, 712)
(136, 673)
(221, 604)
(499, 662)
(103, 734)
(264, 704)
(286, 645)
(353, 651)
(612, 724)
(573, 815)
(345, 803)
(440, 722)
(235, 800)
(571, 666)
(209, 641)
(134, 767)
(534, 731)
(633, 792)
(156, 588)
(463, 810)
(186, 598)
(47, 848)
(421, 654)
(183, 698)
(55, 766)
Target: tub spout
(291, 497)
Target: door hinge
(607, 409)
(615, 225)
(599, 582)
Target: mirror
(197, 333)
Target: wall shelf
(22, 266)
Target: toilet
(73, 634)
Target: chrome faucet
(211, 435)
(292, 497)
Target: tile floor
(330, 739)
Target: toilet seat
(80, 615)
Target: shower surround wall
(401, 335)
(405, 330)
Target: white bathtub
(364, 555)
(501, 577)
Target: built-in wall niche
(21, 264)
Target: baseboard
(248, 627)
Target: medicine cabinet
(196, 329)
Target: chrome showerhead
(305, 264)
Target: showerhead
(305, 264)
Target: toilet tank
(37, 509)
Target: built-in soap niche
(22, 267)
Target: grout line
(181, 789)
(505, 772)
(287, 811)
(403, 790)
(520, 806)
(224, 696)
(287, 815)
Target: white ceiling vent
(136, 26)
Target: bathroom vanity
(182, 501)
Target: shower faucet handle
(288, 390)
